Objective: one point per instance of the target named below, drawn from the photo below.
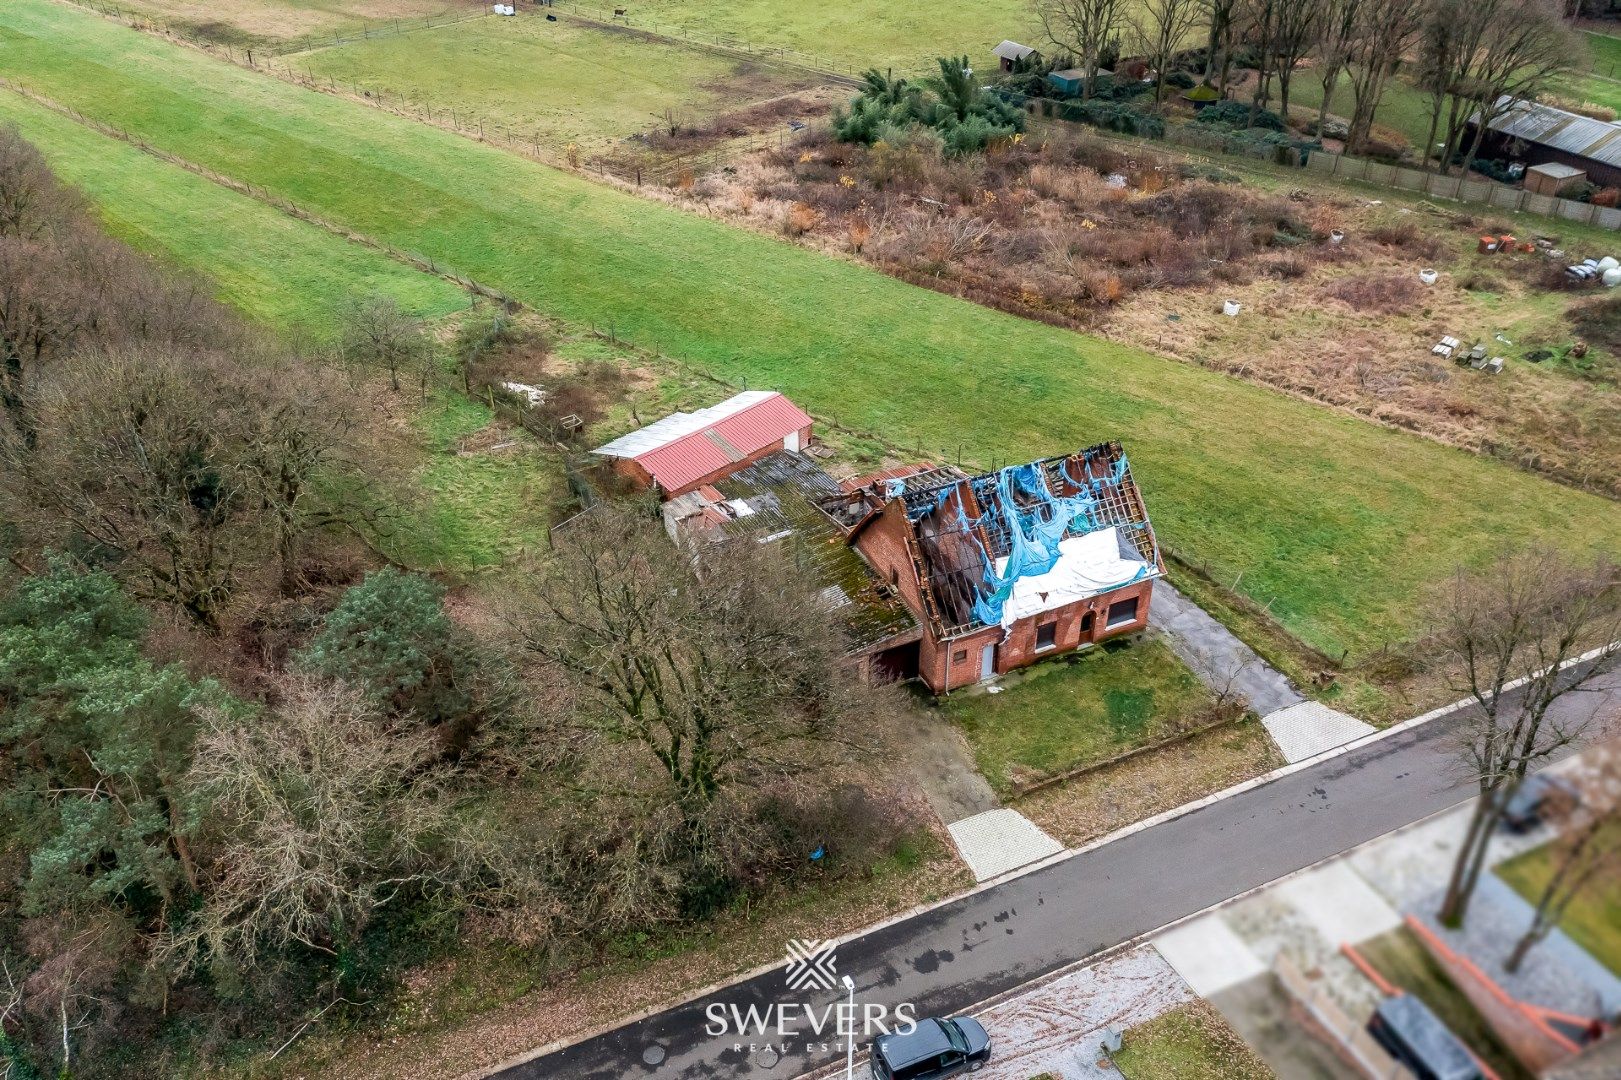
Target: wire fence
(780, 54)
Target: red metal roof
(731, 439)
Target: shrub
(1237, 114)
(1113, 116)
(1385, 294)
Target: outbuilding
(1009, 53)
(684, 451)
(1552, 178)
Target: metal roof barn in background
(685, 447)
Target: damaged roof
(776, 499)
(1004, 545)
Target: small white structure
(504, 9)
(535, 395)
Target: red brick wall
(1018, 648)
(883, 545)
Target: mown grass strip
(273, 268)
(1336, 525)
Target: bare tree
(1160, 29)
(1523, 49)
(320, 817)
(1336, 31)
(32, 200)
(1588, 851)
(1081, 27)
(1511, 633)
(145, 455)
(1222, 27)
(1383, 32)
(377, 333)
(719, 671)
(1298, 26)
(1258, 20)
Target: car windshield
(954, 1033)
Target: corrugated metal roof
(1558, 129)
(676, 425)
(697, 444)
(1012, 50)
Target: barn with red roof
(685, 451)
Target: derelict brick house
(684, 451)
(1009, 567)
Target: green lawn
(1404, 108)
(1074, 711)
(1401, 958)
(1191, 1042)
(1593, 919)
(905, 35)
(1605, 49)
(561, 82)
(255, 23)
(1334, 523)
(274, 268)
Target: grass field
(1062, 715)
(1191, 1042)
(561, 82)
(1335, 524)
(1593, 919)
(906, 35)
(474, 509)
(278, 22)
(276, 269)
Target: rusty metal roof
(1558, 129)
(684, 447)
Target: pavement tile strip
(1058, 1027)
(1310, 728)
(996, 841)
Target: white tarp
(1087, 565)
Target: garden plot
(569, 83)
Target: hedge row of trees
(248, 771)
(1466, 55)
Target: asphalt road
(946, 960)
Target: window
(1122, 612)
(960, 656)
(1046, 635)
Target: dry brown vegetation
(1070, 228)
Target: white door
(987, 661)
(790, 441)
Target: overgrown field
(557, 83)
(1335, 524)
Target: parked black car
(934, 1048)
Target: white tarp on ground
(1087, 565)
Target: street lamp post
(850, 1053)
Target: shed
(684, 451)
(1550, 178)
(1201, 95)
(1541, 134)
(1071, 81)
(1011, 52)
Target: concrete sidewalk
(1300, 728)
